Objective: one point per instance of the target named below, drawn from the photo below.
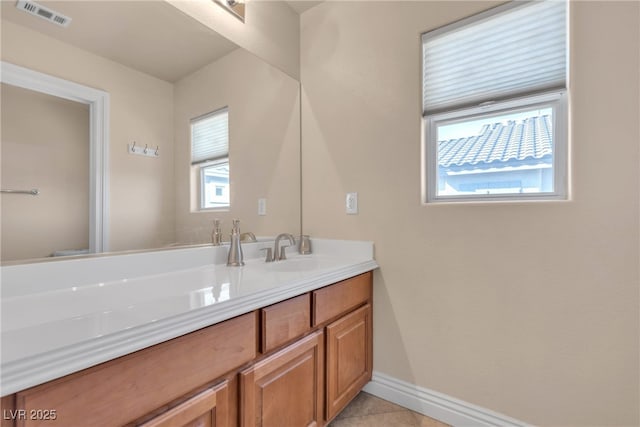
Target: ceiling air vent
(43, 12)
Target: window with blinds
(210, 137)
(210, 158)
(494, 105)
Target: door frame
(98, 102)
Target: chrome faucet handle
(269, 255)
(283, 253)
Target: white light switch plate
(262, 207)
(352, 203)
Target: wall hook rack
(143, 151)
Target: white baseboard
(436, 405)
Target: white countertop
(64, 316)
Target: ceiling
(302, 5)
(150, 36)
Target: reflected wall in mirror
(264, 146)
(158, 80)
(45, 145)
(55, 134)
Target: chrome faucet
(279, 252)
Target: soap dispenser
(235, 250)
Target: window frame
(201, 184)
(557, 100)
(197, 168)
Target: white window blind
(513, 50)
(210, 137)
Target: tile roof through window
(500, 144)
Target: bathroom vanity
(283, 344)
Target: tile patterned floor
(369, 411)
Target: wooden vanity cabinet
(309, 382)
(296, 363)
(346, 305)
(131, 387)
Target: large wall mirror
(162, 72)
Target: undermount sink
(295, 264)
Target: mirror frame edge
(98, 102)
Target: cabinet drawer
(284, 321)
(205, 409)
(117, 392)
(334, 300)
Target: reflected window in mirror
(210, 159)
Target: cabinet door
(349, 358)
(139, 383)
(205, 409)
(285, 389)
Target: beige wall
(264, 148)
(141, 188)
(270, 30)
(264, 120)
(529, 309)
(45, 145)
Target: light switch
(352, 203)
(262, 207)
